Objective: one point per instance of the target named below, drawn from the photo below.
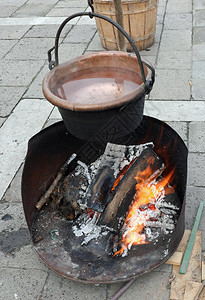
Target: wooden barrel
(139, 22)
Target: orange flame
(147, 193)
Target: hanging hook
(90, 3)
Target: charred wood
(104, 172)
(125, 191)
(99, 189)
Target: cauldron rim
(118, 102)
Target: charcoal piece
(104, 176)
(66, 195)
(124, 192)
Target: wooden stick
(120, 21)
(199, 291)
(121, 291)
(48, 193)
(190, 244)
(175, 259)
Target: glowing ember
(143, 208)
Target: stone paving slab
(7, 11)
(199, 4)
(178, 21)
(25, 258)
(196, 174)
(95, 44)
(14, 135)
(199, 35)
(45, 31)
(70, 51)
(182, 111)
(144, 286)
(11, 218)
(162, 3)
(199, 18)
(174, 60)
(53, 2)
(198, 77)
(178, 82)
(6, 45)
(2, 120)
(160, 15)
(181, 128)
(197, 136)
(65, 12)
(176, 7)
(80, 34)
(35, 88)
(38, 10)
(72, 3)
(158, 33)
(18, 72)
(10, 96)
(198, 52)
(23, 283)
(58, 288)
(13, 32)
(17, 3)
(34, 21)
(153, 50)
(176, 40)
(13, 193)
(55, 114)
(28, 48)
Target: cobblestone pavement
(27, 30)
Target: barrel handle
(148, 83)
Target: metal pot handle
(148, 83)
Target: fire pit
(102, 212)
(64, 244)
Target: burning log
(125, 190)
(104, 176)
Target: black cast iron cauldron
(87, 118)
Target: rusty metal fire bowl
(63, 252)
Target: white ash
(151, 236)
(131, 152)
(89, 172)
(86, 171)
(168, 211)
(164, 204)
(88, 228)
(135, 151)
(166, 251)
(71, 158)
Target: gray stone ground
(27, 30)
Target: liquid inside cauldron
(53, 237)
(99, 87)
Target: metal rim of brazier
(47, 151)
